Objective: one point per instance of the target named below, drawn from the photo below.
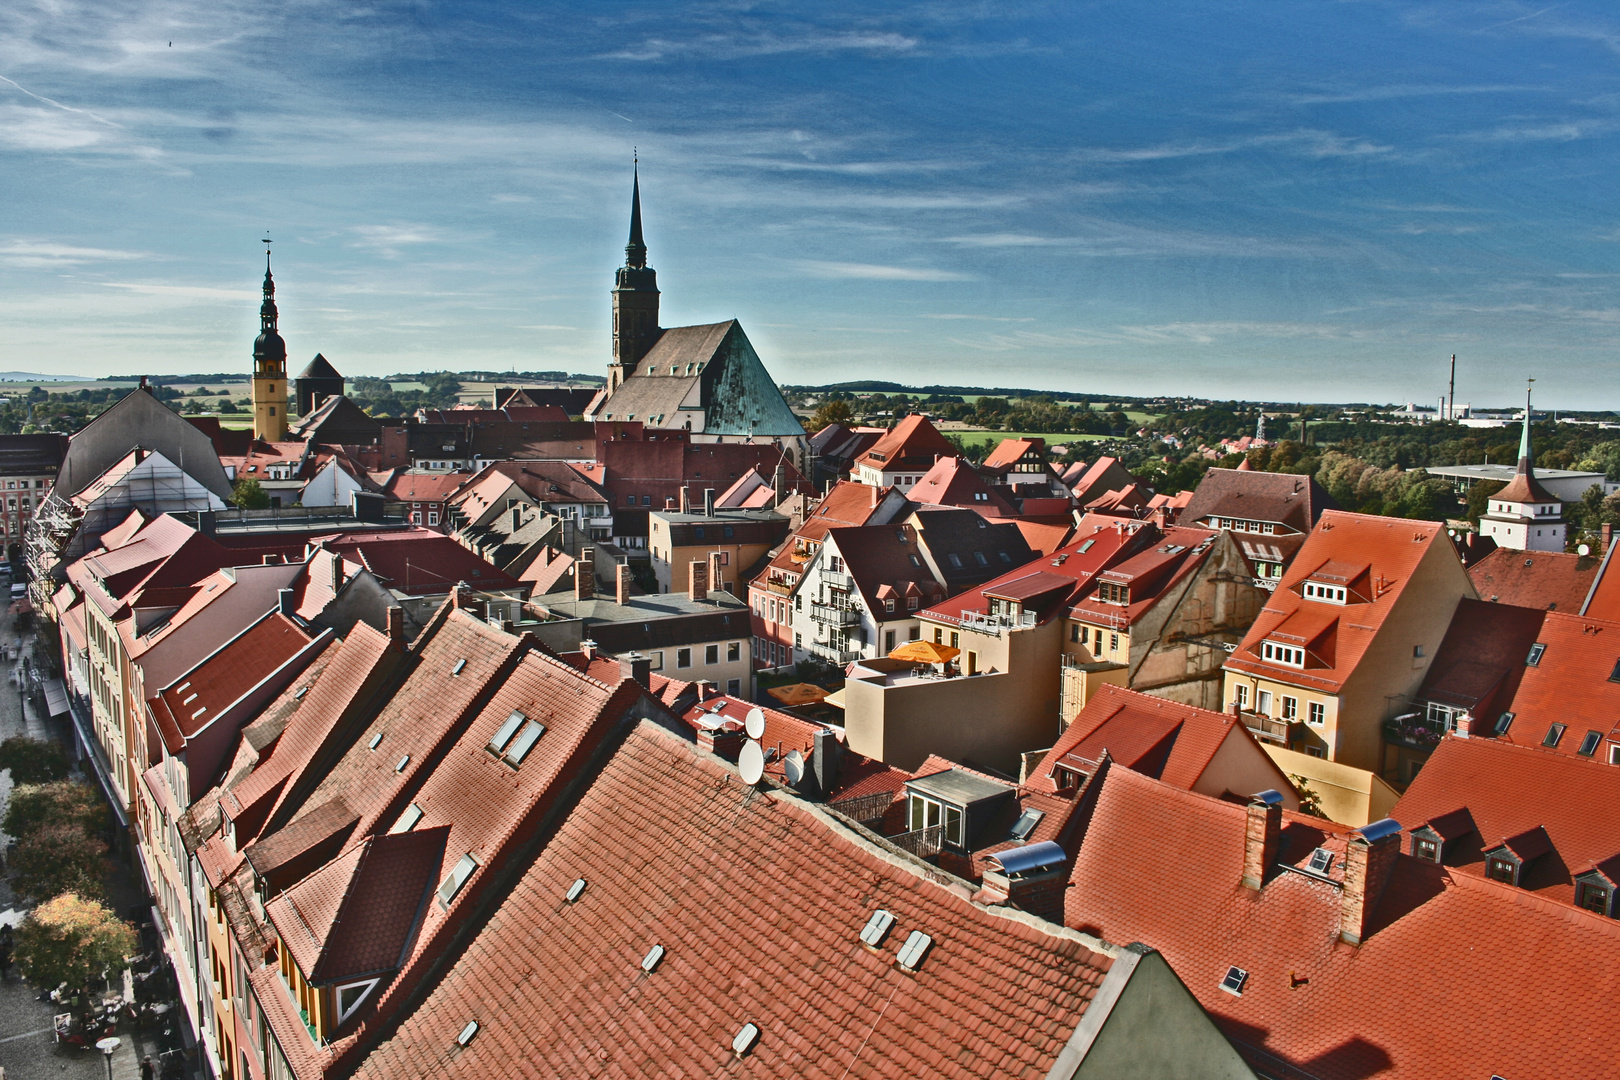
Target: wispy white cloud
(547, 326)
(182, 292)
(741, 45)
(981, 318)
(874, 272)
(44, 254)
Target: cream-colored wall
(1242, 767)
(1324, 735)
(1078, 684)
(1349, 795)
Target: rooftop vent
(654, 957)
(575, 891)
(404, 761)
(467, 1033)
(376, 741)
(877, 928)
(914, 950)
(299, 696)
(1321, 861)
(745, 1040)
(459, 665)
(1236, 979)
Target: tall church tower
(1524, 515)
(635, 301)
(269, 369)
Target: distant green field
(1052, 438)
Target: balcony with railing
(1266, 727)
(996, 625)
(834, 579)
(835, 615)
(832, 652)
(920, 842)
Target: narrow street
(27, 1046)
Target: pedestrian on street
(5, 959)
(148, 1071)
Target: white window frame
(1316, 714)
(367, 986)
(1330, 594)
(1287, 655)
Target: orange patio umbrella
(797, 694)
(925, 652)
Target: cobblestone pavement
(27, 1048)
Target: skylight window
(467, 1033)
(376, 741)
(1086, 546)
(914, 950)
(745, 1040)
(407, 821)
(877, 928)
(1025, 825)
(299, 696)
(1536, 652)
(459, 665)
(1321, 861)
(1614, 676)
(404, 761)
(457, 878)
(1503, 722)
(654, 957)
(504, 733)
(575, 891)
(524, 743)
(1554, 734)
(1236, 979)
(1589, 744)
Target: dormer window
(1594, 892)
(1109, 592)
(1502, 869)
(1286, 655)
(1332, 594)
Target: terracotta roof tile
(912, 444)
(1572, 683)
(1548, 580)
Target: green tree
(249, 495)
(831, 412)
(67, 802)
(1479, 498)
(74, 940)
(33, 761)
(58, 858)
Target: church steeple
(1524, 515)
(269, 368)
(635, 299)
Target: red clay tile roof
(1163, 739)
(674, 852)
(206, 691)
(951, 481)
(1008, 451)
(1549, 580)
(1149, 574)
(1511, 790)
(1392, 547)
(1432, 992)
(425, 487)
(418, 560)
(1573, 683)
(910, 445)
(1044, 539)
(1481, 659)
(1285, 498)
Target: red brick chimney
(396, 625)
(1367, 863)
(698, 578)
(1465, 726)
(585, 576)
(725, 744)
(1261, 834)
(621, 584)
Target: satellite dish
(751, 762)
(1583, 550)
(754, 723)
(793, 766)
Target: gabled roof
(982, 549)
(690, 876)
(1572, 683)
(1481, 659)
(912, 445)
(418, 560)
(1163, 739)
(425, 487)
(1008, 452)
(883, 555)
(1149, 574)
(1422, 996)
(1549, 580)
(140, 419)
(1284, 498)
(207, 691)
(952, 481)
(1510, 791)
(1389, 549)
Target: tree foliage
(66, 802)
(248, 494)
(58, 858)
(33, 761)
(831, 412)
(71, 939)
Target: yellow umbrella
(797, 694)
(925, 652)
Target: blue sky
(1301, 201)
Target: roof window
(916, 560)
(877, 928)
(1236, 979)
(1086, 546)
(299, 695)
(456, 670)
(575, 891)
(404, 761)
(407, 821)
(911, 954)
(1503, 722)
(1288, 655)
(654, 957)
(1333, 594)
(1614, 676)
(457, 878)
(504, 733)
(1321, 861)
(467, 1033)
(1589, 744)
(745, 1040)
(524, 743)
(979, 557)
(956, 560)
(376, 741)
(1025, 825)
(1555, 732)
(1536, 652)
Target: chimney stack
(1465, 726)
(1367, 863)
(723, 744)
(698, 587)
(874, 496)
(779, 483)
(825, 758)
(587, 649)
(517, 517)
(634, 665)
(1261, 834)
(286, 602)
(337, 571)
(706, 690)
(686, 501)
(395, 625)
(708, 502)
(585, 575)
(621, 584)
(716, 580)
(1608, 536)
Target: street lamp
(107, 1046)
